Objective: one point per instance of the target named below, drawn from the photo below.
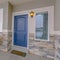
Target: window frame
(43, 25)
(50, 11)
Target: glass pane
(42, 26)
(39, 34)
(39, 21)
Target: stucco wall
(33, 5)
(57, 15)
(5, 14)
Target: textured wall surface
(42, 48)
(5, 42)
(57, 46)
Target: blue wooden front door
(20, 30)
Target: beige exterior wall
(5, 15)
(42, 3)
(33, 5)
(10, 8)
(57, 15)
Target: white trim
(6, 30)
(56, 32)
(12, 28)
(1, 20)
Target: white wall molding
(6, 30)
(56, 32)
(1, 20)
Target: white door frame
(24, 49)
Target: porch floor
(9, 56)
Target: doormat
(23, 54)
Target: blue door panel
(20, 30)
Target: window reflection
(41, 25)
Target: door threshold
(19, 48)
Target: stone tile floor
(9, 56)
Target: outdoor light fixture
(31, 13)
